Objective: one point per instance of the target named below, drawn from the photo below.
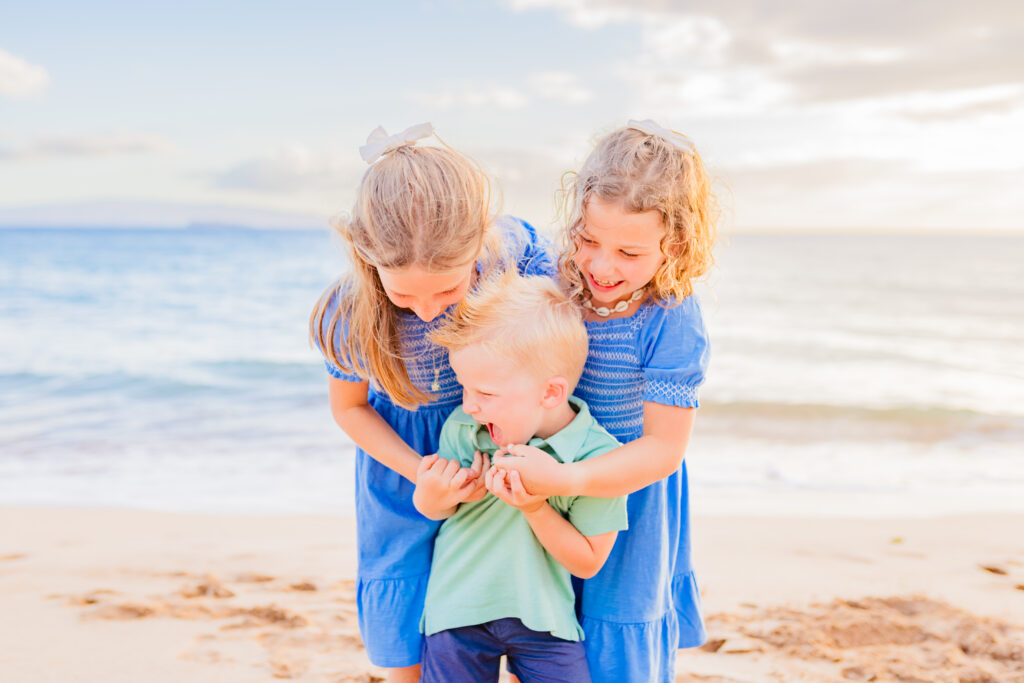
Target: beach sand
(124, 595)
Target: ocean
(851, 375)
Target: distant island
(166, 215)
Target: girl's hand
(509, 488)
(537, 471)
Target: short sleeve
(533, 251)
(674, 349)
(452, 444)
(594, 516)
(338, 339)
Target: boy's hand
(537, 470)
(481, 465)
(509, 488)
(442, 484)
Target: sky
(840, 115)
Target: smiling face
(512, 403)
(618, 251)
(425, 293)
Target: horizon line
(748, 230)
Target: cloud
(291, 168)
(554, 86)
(1001, 106)
(559, 86)
(20, 79)
(868, 194)
(529, 177)
(472, 96)
(582, 13)
(758, 54)
(949, 107)
(948, 65)
(810, 175)
(88, 146)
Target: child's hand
(509, 487)
(537, 470)
(442, 484)
(481, 465)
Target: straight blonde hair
(429, 207)
(527, 319)
(646, 172)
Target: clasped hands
(446, 484)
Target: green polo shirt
(487, 562)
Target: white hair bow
(651, 128)
(379, 142)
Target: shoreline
(126, 595)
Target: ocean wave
(833, 410)
(804, 422)
(110, 385)
(163, 382)
(263, 369)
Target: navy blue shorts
(473, 653)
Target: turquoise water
(170, 369)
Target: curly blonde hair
(646, 173)
(418, 206)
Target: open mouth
(603, 285)
(495, 432)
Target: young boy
(499, 581)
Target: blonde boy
(499, 581)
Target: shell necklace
(435, 386)
(619, 307)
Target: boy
(499, 582)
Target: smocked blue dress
(643, 605)
(395, 542)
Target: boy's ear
(555, 392)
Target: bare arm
(368, 429)
(654, 456)
(582, 555)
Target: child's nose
(427, 312)
(599, 266)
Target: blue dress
(395, 542)
(643, 605)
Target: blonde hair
(418, 206)
(646, 172)
(526, 319)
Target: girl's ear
(556, 390)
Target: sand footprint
(999, 571)
(210, 587)
(320, 643)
